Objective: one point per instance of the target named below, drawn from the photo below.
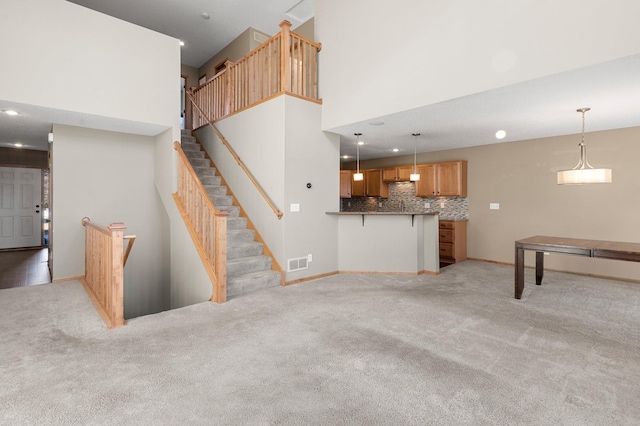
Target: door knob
(37, 211)
(37, 206)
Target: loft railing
(104, 269)
(206, 224)
(286, 63)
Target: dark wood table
(579, 247)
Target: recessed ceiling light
(500, 134)
(376, 123)
(205, 15)
(18, 145)
(181, 43)
(10, 112)
(360, 142)
(395, 150)
(345, 157)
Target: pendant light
(583, 172)
(358, 176)
(415, 176)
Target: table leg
(539, 266)
(519, 267)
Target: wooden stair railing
(206, 224)
(285, 63)
(244, 168)
(104, 269)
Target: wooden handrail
(235, 156)
(104, 270)
(206, 224)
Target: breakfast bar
(388, 242)
(589, 248)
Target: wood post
(285, 57)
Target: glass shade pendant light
(358, 176)
(415, 176)
(583, 172)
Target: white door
(20, 212)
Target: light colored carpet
(349, 349)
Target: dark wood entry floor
(21, 268)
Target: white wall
(60, 55)
(311, 156)
(109, 177)
(382, 57)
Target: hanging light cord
(415, 150)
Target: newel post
(116, 310)
(220, 259)
(285, 56)
(230, 89)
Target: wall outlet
(348, 203)
(380, 204)
(442, 205)
(494, 206)
(309, 258)
(427, 205)
(295, 207)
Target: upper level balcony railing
(286, 63)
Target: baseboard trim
(311, 278)
(387, 273)
(582, 274)
(60, 280)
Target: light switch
(295, 207)
(494, 206)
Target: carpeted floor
(451, 349)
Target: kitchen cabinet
(357, 186)
(371, 186)
(345, 183)
(397, 174)
(452, 238)
(447, 179)
(374, 185)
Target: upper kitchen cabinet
(345, 183)
(371, 186)
(374, 185)
(357, 186)
(397, 174)
(448, 179)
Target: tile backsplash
(403, 194)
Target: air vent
(297, 264)
(259, 37)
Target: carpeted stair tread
(246, 265)
(253, 281)
(199, 162)
(236, 222)
(234, 211)
(210, 180)
(244, 249)
(221, 200)
(216, 190)
(239, 236)
(204, 171)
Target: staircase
(247, 268)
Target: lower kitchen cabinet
(452, 238)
